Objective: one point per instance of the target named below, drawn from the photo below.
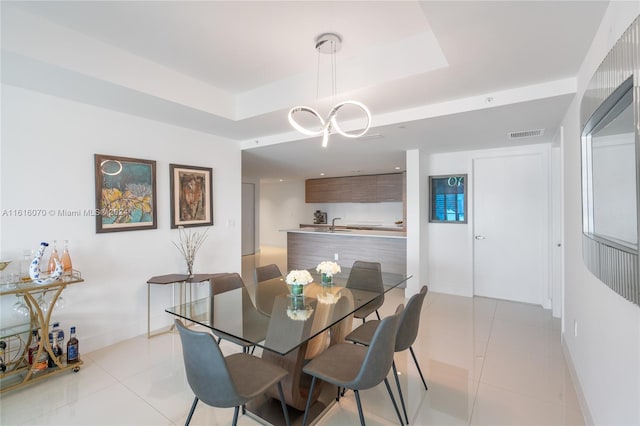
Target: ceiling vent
(526, 134)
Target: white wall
(282, 206)
(450, 246)
(417, 237)
(606, 351)
(383, 214)
(47, 152)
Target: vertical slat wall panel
(617, 268)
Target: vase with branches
(190, 243)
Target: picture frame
(125, 194)
(191, 189)
(448, 198)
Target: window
(447, 197)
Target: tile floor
(487, 362)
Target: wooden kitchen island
(307, 247)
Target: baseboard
(586, 413)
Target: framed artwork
(448, 199)
(125, 194)
(191, 196)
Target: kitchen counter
(307, 247)
(365, 227)
(345, 232)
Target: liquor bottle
(73, 355)
(33, 347)
(3, 347)
(55, 348)
(66, 259)
(52, 259)
(57, 331)
(43, 360)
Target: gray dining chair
(267, 272)
(357, 367)
(407, 333)
(222, 284)
(225, 382)
(267, 292)
(367, 276)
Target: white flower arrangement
(299, 277)
(299, 314)
(328, 268)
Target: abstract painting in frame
(191, 195)
(125, 194)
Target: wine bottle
(73, 355)
(52, 259)
(66, 259)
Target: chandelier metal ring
(330, 123)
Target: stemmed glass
(3, 265)
(20, 308)
(43, 303)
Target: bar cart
(33, 299)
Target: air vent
(526, 134)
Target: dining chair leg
(359, 407)
(284, 405)
(386, 382)
(306, 408)
(235, 416)
(418, 367)
(193, 408)
(378, 315)
(338, 395)
(219, 340)
(395, 374)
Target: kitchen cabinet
(355, 189)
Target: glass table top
(279, 322)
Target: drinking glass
(20, 308)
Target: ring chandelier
(329, 43)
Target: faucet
(333, 223)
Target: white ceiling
(439, 76)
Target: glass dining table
(289, 329)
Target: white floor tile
(486, 362)
(496, 406)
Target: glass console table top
(291, 321)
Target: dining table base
(266, 408)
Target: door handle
(479, 237)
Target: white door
(511, 227)
(248, 219)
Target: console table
(172, 279)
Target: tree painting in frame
(191, 195)
(125, 194)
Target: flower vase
(297, 303)
(296, 289)
(327, 280)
